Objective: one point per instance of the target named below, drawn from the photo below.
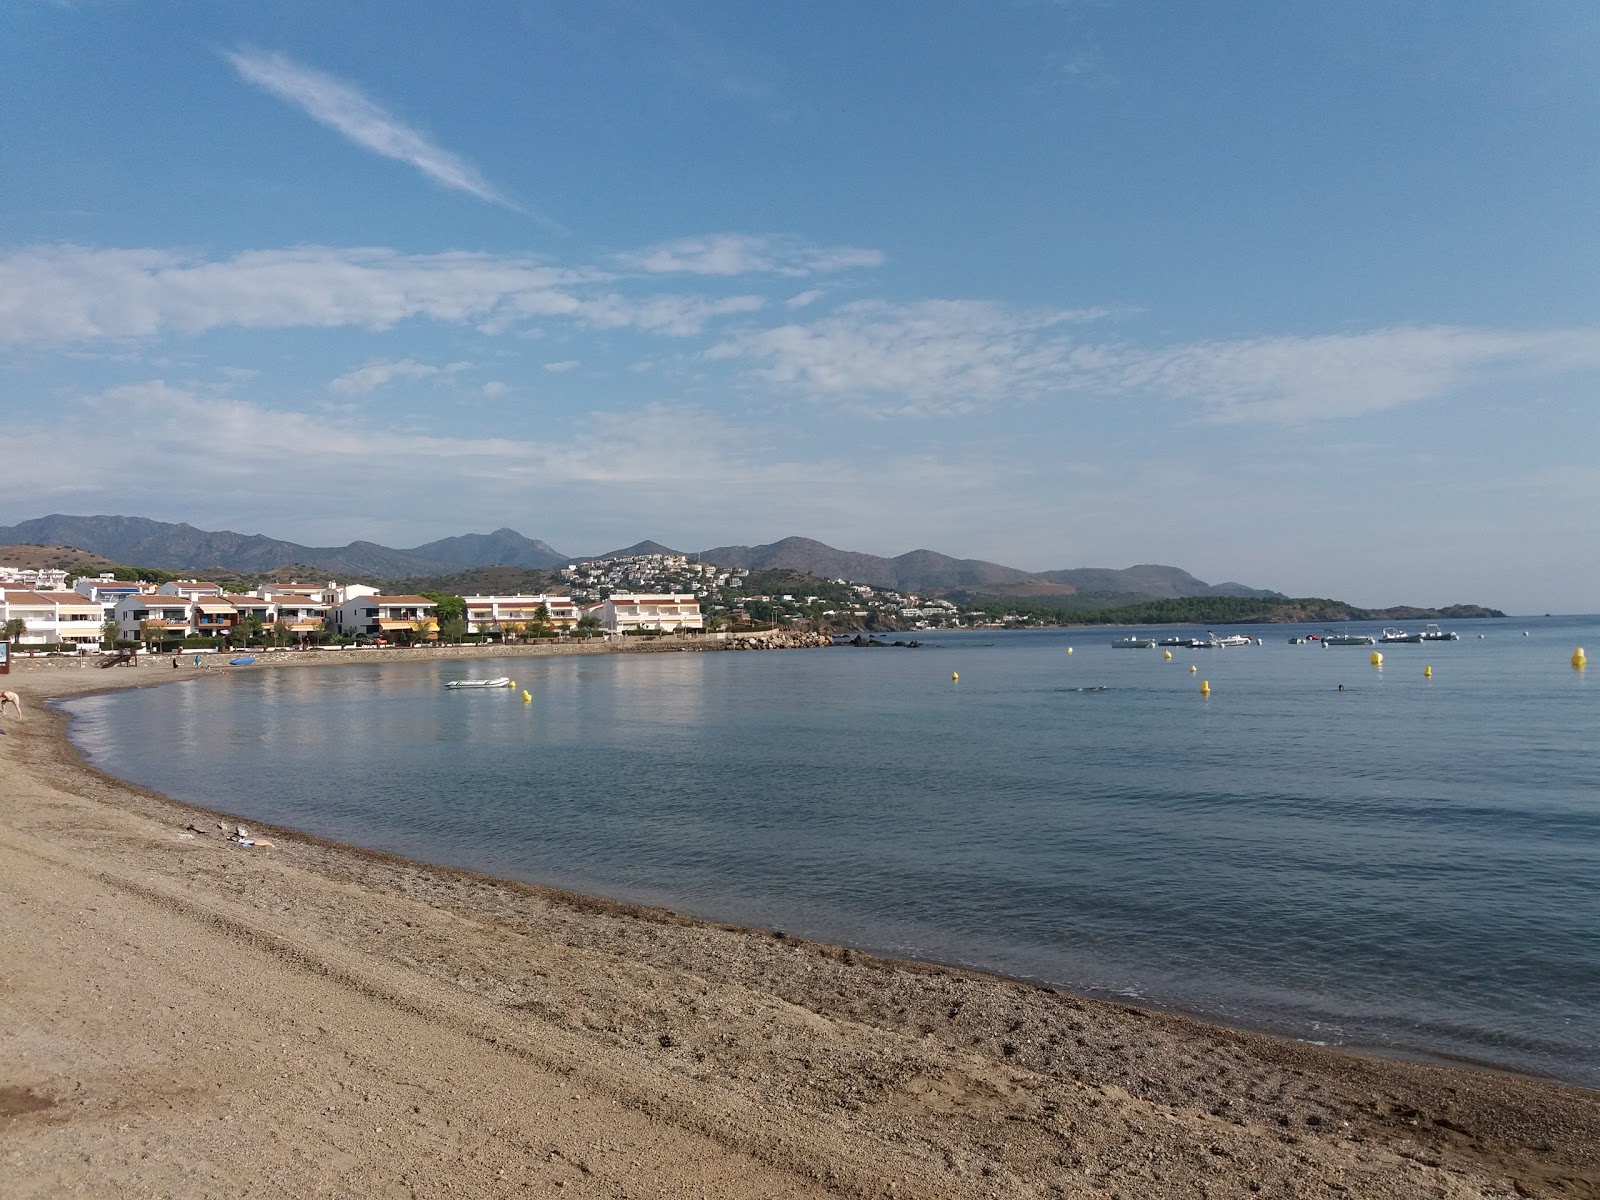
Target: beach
(186, 1016)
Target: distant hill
(505, 547)
(65, 558)
(1148, 579)
(916, 571)
(637, 550)
(182, 547)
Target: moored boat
(1398, 635)
(1348, 639)
(501, 681)
(1434, 634)
(1134, 643)
(1233, 639)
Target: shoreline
(736, 1053)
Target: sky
(1299, 295)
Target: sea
(1409, 865)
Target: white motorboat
(1134, 643)
(1398, 635)
(501, 681)
(1187, 643)
(1348, 639)
(1213, 642)
(1434, 634)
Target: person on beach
(11, 698)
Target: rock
(241, 832)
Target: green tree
(110, 631)
(446, 604)
(282, 635)
(541, 620)
(14, 629)
(452, 629)
(588, 625)
(151, 633)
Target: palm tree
(14, 629)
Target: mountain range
(139, 541)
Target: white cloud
(1300, 380)
(495, 388)
(803, 299)
(942, 358)
(346, 111)
(57, 295)
(619, 465)
(747, 254)
(365, 380)
(558, 368)
(928, 359)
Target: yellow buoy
(1427, 672)
(527, 696)
(954, 677)
(1167, 654)
(1205, 687)
(1377, 659)
(1193, 668)
(1578, 659)
(1069, 649)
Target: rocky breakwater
(777, 640)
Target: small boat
(243, 660)
(1299, 641)
(1187, 643)
(1398, 635)
(1348, 639)
(1434, 634)
(1213, 642)
(501, 681)
(1134, 643)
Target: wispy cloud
(936, 358)
(1303, 380)
(945, 358)
(615, 467)
(365, 380)
(747, 254)
(59, 295)
(362, 120)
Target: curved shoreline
(948, 1080)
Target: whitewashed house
(652, 612)
(516, 614)
(393, 618)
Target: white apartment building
(38, 579)
(191, 589)
(53, 618)
(655, 612)
(514, 614)
(389, 617)
(174, 614)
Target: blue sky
(1301, 295)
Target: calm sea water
(1411, 864)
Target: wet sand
(181, 1016)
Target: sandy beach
(182, 1016)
